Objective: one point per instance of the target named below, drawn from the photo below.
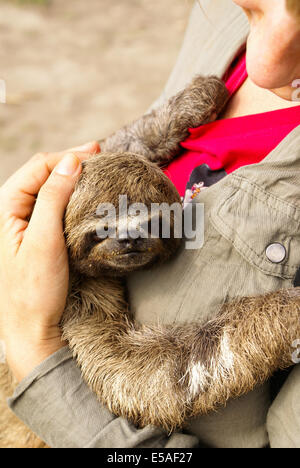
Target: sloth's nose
(130, 243)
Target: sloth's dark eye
(93, 238)
(155, 226)
(97, 239)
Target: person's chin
(267, 75)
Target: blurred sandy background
(76, 70)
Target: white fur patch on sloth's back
(201, 374)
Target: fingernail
(86, 146)
(68, 166)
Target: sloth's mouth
(131, 253)
(135, 256)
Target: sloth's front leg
(133, 370)
(248, 341)
(158, 134)
(164, 375)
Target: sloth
(146, 374)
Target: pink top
(231, 143)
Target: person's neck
(250, 99)
(289, 93)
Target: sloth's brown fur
(153, 374)
(165, 375)
(158, 135)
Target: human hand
(34, 271)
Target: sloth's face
(101, 239)
(125, 252)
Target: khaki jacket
(245, 212)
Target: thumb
(46, 223)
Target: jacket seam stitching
(270, 196)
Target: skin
(34, 253)
(273, 46)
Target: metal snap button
(276, 253)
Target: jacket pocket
(252, 220)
